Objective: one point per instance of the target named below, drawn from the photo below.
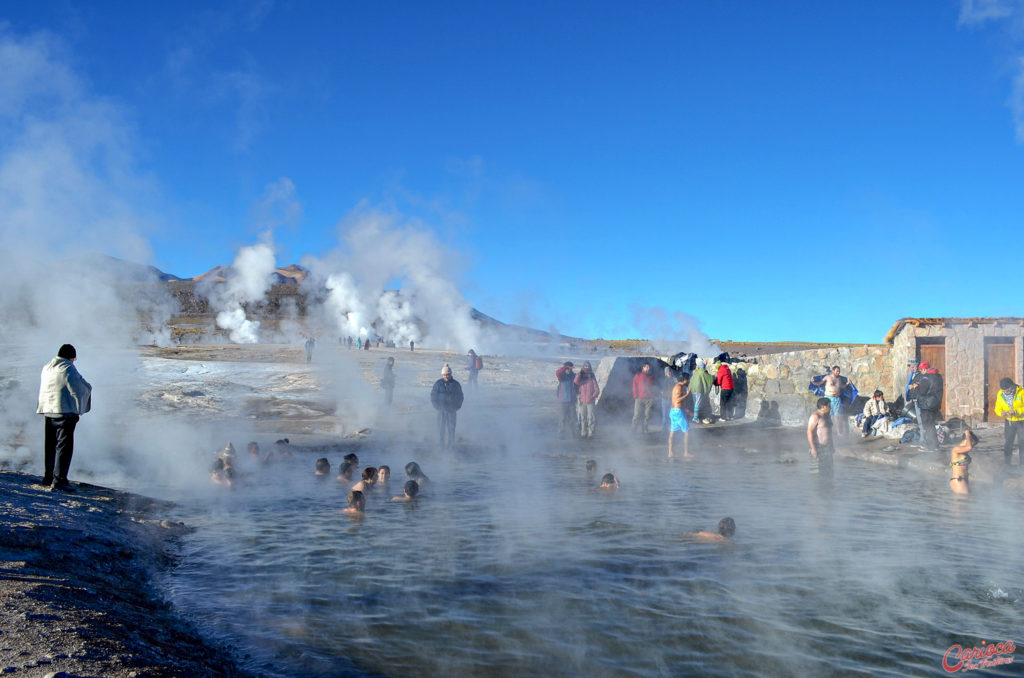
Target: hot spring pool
(512, 565)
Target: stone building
(972, 354)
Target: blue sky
(774, 171)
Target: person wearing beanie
(926, 390)
(566, 392)
(64, 395)
(588, 390)
(643, 398)
(701, 383)
(1010, 406)
(446, 397)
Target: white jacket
(874, 408)
(62, 390)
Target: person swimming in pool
(591, 466)
(345, 472)
(356, 503)
(726, 529)
(609, 482)
(383, 476)
(412, 489)
(323, 468)
(368, 480)
(960, 462)
(414, 472)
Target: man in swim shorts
(676, 417)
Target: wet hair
(412, 488)
(591, 465)
(356, 499)
(351, 458)
(345, 470)
(1006, 383)
(369, 473)
(413, 469)
(67, 351)
(323, 465)
(253, 446)
(727, 527)
(822, 402)
(878, 394)
(608, 478)
(384, 467)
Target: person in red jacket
(643, 398)
(724, 380)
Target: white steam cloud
(250, 278)
(1008, 15)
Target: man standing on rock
(387, 380)
(1010, 406)
(588, 390)
(64, 395)
(643, 398)
(926, 389)
(566, 392)
(701, 382)
(446, 397)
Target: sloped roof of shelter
(918, 322)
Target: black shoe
(62, 486)
(46, 482)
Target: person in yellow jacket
(1010, 406)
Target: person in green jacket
(701, 382)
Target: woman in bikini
(960, 461)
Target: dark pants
(446, 427)
(59, 445)
(1012, 430)
(869, 421)
(927, 423)
(725, 404)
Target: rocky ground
(76, 591)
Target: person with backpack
(476, 363)
(566, 393)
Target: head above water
(727, 527)
(67, 351)
(384, 474)
(591, 465)
(357, 500)
(351, 458)
(413, 470)
(609, 480)
(323, 467)
(412, 488)
(369, 474)
(346, 470)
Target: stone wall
(965, 360)
(782, 378)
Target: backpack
(479, 363)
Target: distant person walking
(644, 392)
(446, 397)
(412, 345)
(724, 381)
(310, 344)
(820, 437)
(926, 390)
(387, 380)
(475, 364)
(701, 383)
(588, 390)
(64, 395)
(1010, 406)
(366, 344)
(566, 392)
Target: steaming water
(512, 566)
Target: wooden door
(999, 363)
(935, 355)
